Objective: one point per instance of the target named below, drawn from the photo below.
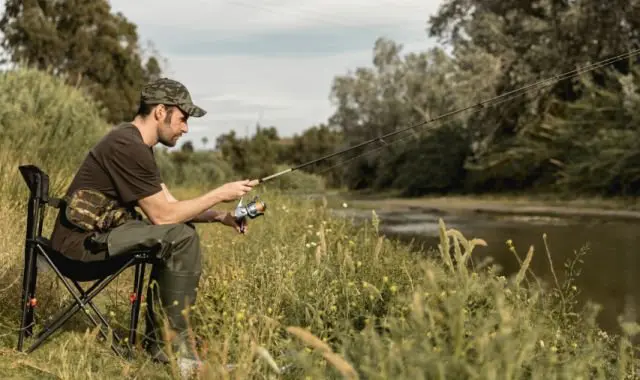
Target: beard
(165, 137)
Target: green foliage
(432, 163)
(298, 180)
(597, 151)
(313, 143)
(82, 41)
(251, 157)
(516, 147)
(199, 169)
(46, 123)
(573, 136)
(396, 93)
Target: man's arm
(160, 210)
(207, 216)
(167, 193)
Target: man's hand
(229, 220)
(235, 190)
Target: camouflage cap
(170, 92)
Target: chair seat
(88, 270)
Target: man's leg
(173, 281)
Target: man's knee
(182, 232)
(184, 248)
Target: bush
(297, 181)
(194, 169)
(46, 123)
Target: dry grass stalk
(263, 353)
(341, 365)
(524, 267)
(309, 338)
(378, 249)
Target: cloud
(271, 61)
(246, 17)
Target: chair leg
(81, 301)
(28, 296)
(136, 303)
(63, 316)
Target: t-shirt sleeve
(133, 170)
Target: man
(122, 167)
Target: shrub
(46, 123)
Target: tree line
(575, 136)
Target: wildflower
(393, 288)
(333, 308)
(385, 279)
(541, 343)
(344, 205)
(359, 264)
(269, 310)
(554, 349)
(308, 245)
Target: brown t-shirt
(122, 167)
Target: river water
(608, 274)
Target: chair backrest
(38, 183)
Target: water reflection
(607, 274)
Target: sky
(273, 61)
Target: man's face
(172, 127)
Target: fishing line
(502, 98)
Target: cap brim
(193, 111)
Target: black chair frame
(71, 273)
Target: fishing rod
(256, 208)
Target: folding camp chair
(71, 273)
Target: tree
(251, 157)
(400, 91)
(204, 140)
(313, 143)
(85, 43)
(187, 147)
(532, 40)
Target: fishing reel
(253, 209)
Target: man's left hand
(229, 220)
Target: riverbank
(616, 208)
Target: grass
(333, 300)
